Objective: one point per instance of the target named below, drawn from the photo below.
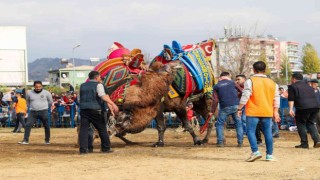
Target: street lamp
(73, 84)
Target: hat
(19, 91)
(314, 81)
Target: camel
(203, 103)
(143, 101)
(148, 99)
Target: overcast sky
(54, 27)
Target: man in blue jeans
(262, 101)
(228, 101)
(240, 79)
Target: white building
(13, 56)
(291, 50)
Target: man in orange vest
(262, 101)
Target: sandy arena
(179, 159)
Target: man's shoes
(316, 145)
(107, 151)
(83, 153)
(220, 145)
(47, 142)
(90, 150)
(239, 145)
(23, 142)
(259, 143)
(303, 146)
(254, 156)
(269, 157)
(276, 135)
(19, 132)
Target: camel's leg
(182, 114)
(202, 107)
(206, 138)
(161, 127)
(128, 142)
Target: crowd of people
(63, 108)
(252, 103)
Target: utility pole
(287, 71)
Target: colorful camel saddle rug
(118, 92)
(197, 59)
(183, 81)
(113, 74)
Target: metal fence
(61, 117)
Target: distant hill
(38, 69)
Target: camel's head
(123, 120)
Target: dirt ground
(179, 159)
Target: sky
(54, 27)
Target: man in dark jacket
(303, 98)
(92, 95)
(228, 102)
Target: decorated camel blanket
(197, 74)
(120, 63)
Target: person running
(262, 101)
(38, 100)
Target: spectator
(314, 85)
(21, 108)
(307, 78)
(38, 101)
(318, 78)
(261, 98)
(190, 115)
(229, 102)
(71, 88)
(303, 98)
(240, 79)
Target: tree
(239, 49)
(263, 58)
(234, 56)
(310, 59)
(285, 68)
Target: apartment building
(238, 50)
(291, 50)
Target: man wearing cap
(21, 109)
(314, 85)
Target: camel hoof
(204, 141)
(198, 143)
(158, 144)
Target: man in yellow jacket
(261, 98)
(21, 109)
